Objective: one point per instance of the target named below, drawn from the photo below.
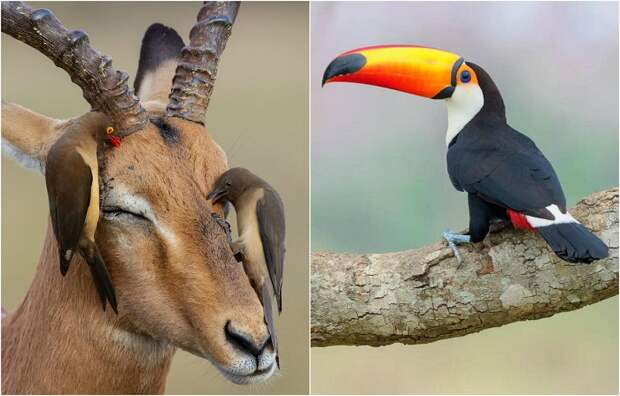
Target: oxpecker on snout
(505, 175)
(261, 228)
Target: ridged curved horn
(195, 75)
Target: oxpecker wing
(68, 181)
(270, 212)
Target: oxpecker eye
(465, 76)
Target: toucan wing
(68, 179)
(270, 212)
(510, 171)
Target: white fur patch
(560, 218)
(463, 105)
(152, 352)
(22, 158)
(137, 204)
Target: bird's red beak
(422, 71)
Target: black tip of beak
(445, 93)
(342, 65)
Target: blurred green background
(380, 184)
(258, 114)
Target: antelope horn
(195, 73)
(104, 88)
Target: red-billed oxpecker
(503, 172)
(72, 180)
(261, 228)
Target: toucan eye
(465, 76)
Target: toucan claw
(453, 239)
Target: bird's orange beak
(422, 71)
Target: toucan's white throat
(463, 105)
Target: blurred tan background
(258, 114)
(379, 179)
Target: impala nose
(245, 341)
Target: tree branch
(419, 296)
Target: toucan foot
(454, 239)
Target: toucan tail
(573, 242)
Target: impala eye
(115, 213)
(465, 76)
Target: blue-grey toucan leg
(454, 239)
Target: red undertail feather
(519, 220)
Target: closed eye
(116, 213)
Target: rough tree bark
(419, 296)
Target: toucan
(505, 175)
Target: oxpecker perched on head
(72, 180)
(504, 174)
(261, 228)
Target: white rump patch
(560, 218)
(463, 105)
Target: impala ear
(27, 136)
(161, 48)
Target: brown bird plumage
(261, 227)
(72, 179)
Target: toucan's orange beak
(422, 71)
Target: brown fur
(176, 288)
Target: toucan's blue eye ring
(465, 76)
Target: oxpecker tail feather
(266, 297)
(574, 243)
(101, 278)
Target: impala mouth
(256, 377)
(242, 367)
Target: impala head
(174, 273)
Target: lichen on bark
(420, 296)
